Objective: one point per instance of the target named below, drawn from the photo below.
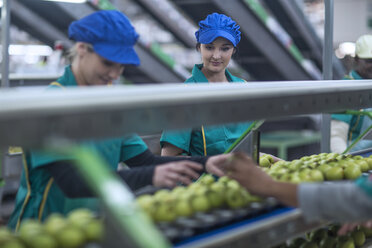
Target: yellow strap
(204, 141)
(353, 128)
(57, 84)
(45, 197)
(28, 192)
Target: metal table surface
(265, 230)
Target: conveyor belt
(262, 231)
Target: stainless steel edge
(29, 117)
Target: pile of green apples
(77, 229)
(317, 167)
(204, 195)
(327, 238)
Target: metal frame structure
(292, 18)
(35, 118)
(122, 108)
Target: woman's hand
(248, 174)
(217, 164)
(173, 173)
(256, 181)
(348, 227)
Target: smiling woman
(217, 39)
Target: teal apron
(38, 195)
(206, 140)
(357, 123)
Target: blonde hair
(72, 52)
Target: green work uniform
(357, 123)
(217, 138)
(38, 196)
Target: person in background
(346, 128)
(217, 40)
(342, 201)
(49, 182)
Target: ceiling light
(68, 1)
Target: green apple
(324, 168)
(352, 172)
(297, 242)
(333, 229)
(71, 237)
(358, 157)
(160, 194)
(305, 158)
(264, 162)
(42, 240)
(5, 235)
(55, 223)
(328, 242)
(233, 184)
(79, 217)
(94, 230)
(13, 244)
(335, 173)
(207, 179)
(344, 164)
(316, 176)
(183, 207)
(285, 177)
(318, 235)
(164, 212)
(218, 187)
(215, 198)
(280, 163)
(341, 157)
(309, 244)
(305, 175)
(367, 231)
(148, 204)
(178, 190)
(295, 165)
(345, 242)
(295, 178)
(224, 179)
(359, 237)
(29, 229)
(369, 161)
(363, 165)
(194, 187)
(200, 202)
(269, 157)
(234, 198)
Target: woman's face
(364, 68)
(96, 70)
(216, 55)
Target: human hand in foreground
(242, 168)
(173, 173)
(348, 227)
(275, 159)
(217, 164)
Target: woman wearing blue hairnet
(217, 39)
(49, 182)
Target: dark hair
(197, 46)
